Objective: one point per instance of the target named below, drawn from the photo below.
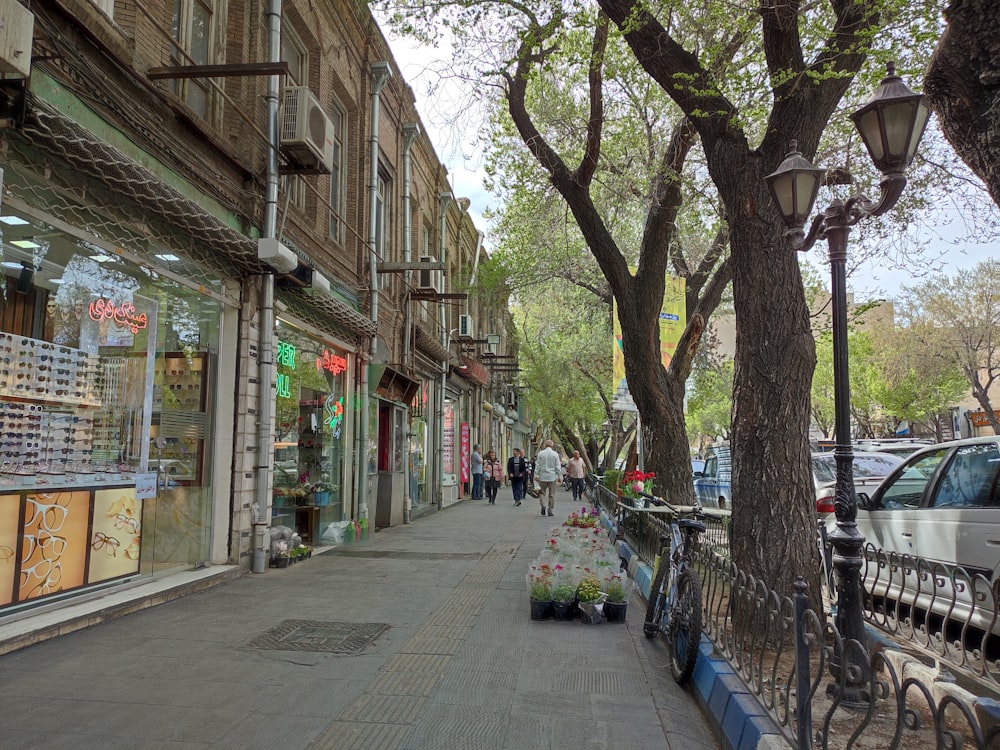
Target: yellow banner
(673, 318)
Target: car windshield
(866, 465)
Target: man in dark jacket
(517, 471)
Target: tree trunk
(774, 515)
(963, 86)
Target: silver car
(869, 471)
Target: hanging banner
(672, 321)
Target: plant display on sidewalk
(578, 565)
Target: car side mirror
(698, 474)
(864, 501)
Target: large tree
(963, 86)
(745, 81)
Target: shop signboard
(464, 473)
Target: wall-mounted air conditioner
(16, 29)
(306, 131)
(465, 327)
(427, 281)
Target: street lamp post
(891, 125)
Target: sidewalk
(419, 639)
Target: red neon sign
(334, 363)
(123, 315)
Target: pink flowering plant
(540, 582)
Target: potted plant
(280, 555)
(591, 599)
(321, 493)
(539, 580)
(616, 605)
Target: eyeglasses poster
(54, 543)
(116, 535)
(9, 508)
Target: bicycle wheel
(684, 626)
(657, 601)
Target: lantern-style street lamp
(891, 125)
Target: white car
(942, 506)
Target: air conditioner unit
(465, 326)
(16, 30)
(427, 280)
(306, 131)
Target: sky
(949, 240)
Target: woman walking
(492, 475)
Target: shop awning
(391, 384)
(472, 370)
(432, 347)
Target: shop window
(310, 439)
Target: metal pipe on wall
(265, 348)
(410, 133)
(446, 198)
(380, 73)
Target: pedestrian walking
(517, 471)
(492, 475)
(477, 473)
(576, 472)
(548, 469)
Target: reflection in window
(969, 478)
(907, 489)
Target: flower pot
(321, 499)
(590, 612)
(562, 610)
(615, 611)
(540, 610)
(280, 562)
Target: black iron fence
(931, 672)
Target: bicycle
(674, 607)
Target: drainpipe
(265, 348)
(445, 199)
(379, 75)
(410, 133)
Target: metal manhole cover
(314, 635)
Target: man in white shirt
(548, 472)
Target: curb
(736, 717)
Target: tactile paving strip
(316, 635)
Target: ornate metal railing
(789, 657)
(932, 669)
(943, 610)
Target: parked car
(901, 447)
(714, 486)
(869, 470)
(941, 505)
